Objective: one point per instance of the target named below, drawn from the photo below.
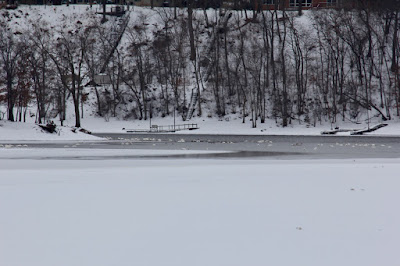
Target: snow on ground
(233, 125)
(107, 210)
(199, 212)
(30, 131)
(59, 16)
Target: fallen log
(371, 129)
(50, 127)
(333, 132)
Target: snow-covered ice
(198, 212)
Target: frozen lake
(153, 201)
(224, 146)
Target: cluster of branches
(44, 67)
(330, 65)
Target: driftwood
(75, 129)
(333, 132)
(353, 131)
(49, 127)
(85, 131)
(360, 132)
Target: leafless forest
(321, 65)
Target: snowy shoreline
(18, 131)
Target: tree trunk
(10, 98)
(76, 106)
(300, 7)
(191, 34)
(394, 66)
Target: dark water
(244, 146)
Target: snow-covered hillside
(239, 73)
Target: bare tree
(68, 55)
(10, 52)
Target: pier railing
(167, 128)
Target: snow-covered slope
(67, 17)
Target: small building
(294, 4)
(156, 3)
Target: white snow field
(149, 212)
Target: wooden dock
(164, 129)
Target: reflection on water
(238, 154)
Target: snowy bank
(31, 131)
(233, 125)
(228, 126)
